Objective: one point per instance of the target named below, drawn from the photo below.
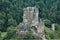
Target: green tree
(47, 23)
(10, 33)
(0, 36)
(50, 34)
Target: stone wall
(30, 15)
(30, 18)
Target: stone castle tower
(30, 18)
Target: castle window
(30, 9)
(35, 10)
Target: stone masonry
(30, 18)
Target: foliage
(57, 27)
(0, 36)
(50, 34)
(11, 12)
(3, 34)
(30, 36)
(47, 23)
(10, 33)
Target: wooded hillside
(11, 12)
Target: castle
(30, 19)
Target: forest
(11, 12)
